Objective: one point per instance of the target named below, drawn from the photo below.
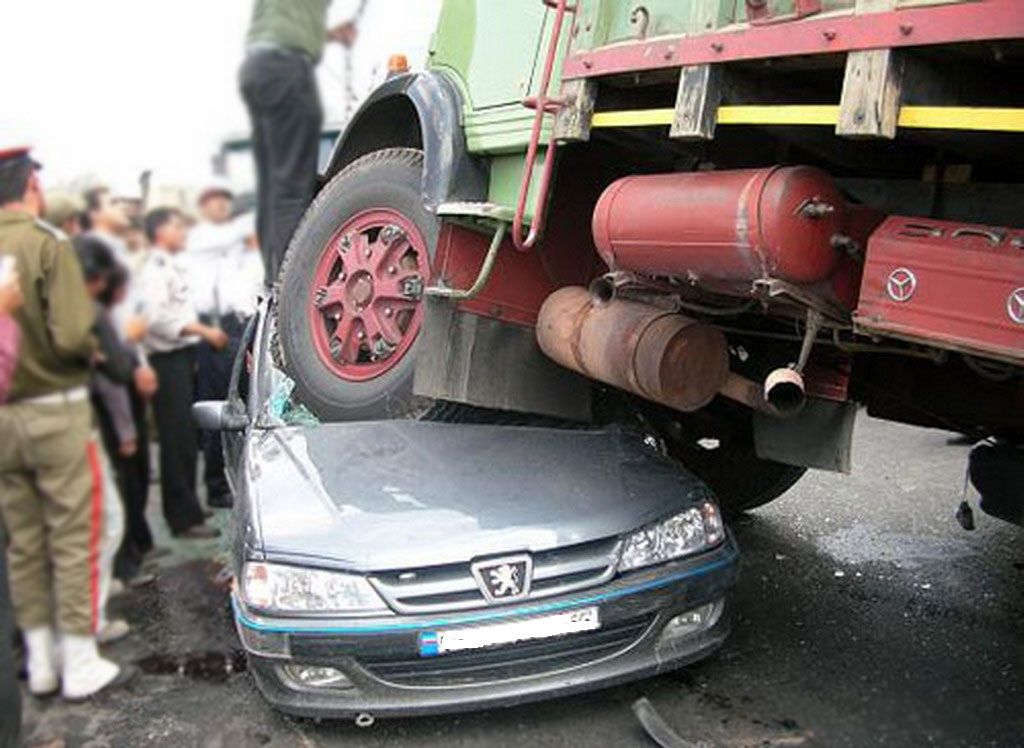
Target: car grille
(453, 587)
(510, 661)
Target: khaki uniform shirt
(56, 321)
(298, 25)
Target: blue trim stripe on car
(498, 614)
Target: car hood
(401, 494)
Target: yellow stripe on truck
(962, 118)
(914, 117)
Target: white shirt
(227, 273)
(166, 300)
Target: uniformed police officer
(170, 342)
(50, 489)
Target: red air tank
(733, 226)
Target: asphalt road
(864, 617)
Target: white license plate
(434, 643)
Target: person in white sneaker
(50, 485)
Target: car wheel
(351, 290)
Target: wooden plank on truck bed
(872, 86)
(700, 93)
(572, 123)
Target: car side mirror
(214, 415)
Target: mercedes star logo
(901, 285)
(1015, 306)
(504, 579)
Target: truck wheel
(351, 290)
(741, 480)
(720, 451)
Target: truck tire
(739, 478)
(350, 303)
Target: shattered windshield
(277, 400)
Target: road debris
(658, 730)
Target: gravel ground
(864, 617)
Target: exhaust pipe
(657, 354)
(784, 391)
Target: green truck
(729, 223)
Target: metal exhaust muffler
(659, 355)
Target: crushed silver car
(409, 567)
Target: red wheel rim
(365, 306)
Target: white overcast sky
(111, 87)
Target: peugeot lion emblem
(1015, 306)
(901, 285)
(503, 579)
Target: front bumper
(388, 676)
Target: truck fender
(417, 110)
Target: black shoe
(199, 532)
(142, 579)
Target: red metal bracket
(542, 104)
(984, 20)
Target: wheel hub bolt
(412, 288)
(369, 252)
(392, 270)
(361, 335)
(389, 233)
(388, 312)
(382, 349)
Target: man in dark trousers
(226, 276)
(174, 330)
(278, 81)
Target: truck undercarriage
(732, 224)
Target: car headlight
(683, 534)
(292, 589)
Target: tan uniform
(50, 479)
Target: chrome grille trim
(452, 587)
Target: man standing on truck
(278, 80)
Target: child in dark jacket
(108, 387)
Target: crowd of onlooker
(114, 318)
(115, 314)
